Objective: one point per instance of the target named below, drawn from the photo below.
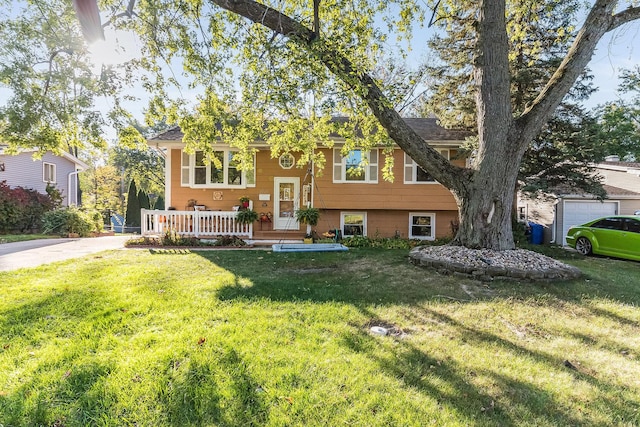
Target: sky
(617, 50)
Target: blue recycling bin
(537, 233)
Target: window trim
(410, 165)
(52, 166)
(287, 155)
(371, 168)
(364, 222)
(432, 215)
(248, 177)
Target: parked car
(616, 236)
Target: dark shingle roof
(617, 191)
(427, 128)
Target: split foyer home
(203, 198)
(60, 171)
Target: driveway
(33, 253)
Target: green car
(616, 236)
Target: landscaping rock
(485, 264)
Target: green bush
(21, 209)
(71, 220)
(390, 242)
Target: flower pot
(308, 240)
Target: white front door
(287, 200)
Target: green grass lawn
(241, 338)
(10, 238)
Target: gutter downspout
(75, 202)
(555, 221)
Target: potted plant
(244, 202)
(247, 216)
(310, 217)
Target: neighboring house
(413, 206)
(622, 184)
(22, 170)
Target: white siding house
(22, 170)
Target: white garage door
(576, 213)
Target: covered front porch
(211, 224)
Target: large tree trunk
(485, 192)
(485, 205)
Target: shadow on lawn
(510, 402)
(388, 278)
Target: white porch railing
(193, 223)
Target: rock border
(486, 264)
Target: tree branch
(360, 82)
(599, 21)
(628, 15)
(51, 58)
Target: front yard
(240, 338)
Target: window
(609, 224)
(287, 161)
(359, 166)
(353, 224)
(414, 174)
(222, 171)
(48, 172)
(422, 226)
(633, 225)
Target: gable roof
(427, 128)
(73, 159)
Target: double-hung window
(353, 224)
(219, 171)
(414, 174)
(48, 172)
(358, 166)
(422, 226)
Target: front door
(287, 201)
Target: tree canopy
(291, 65)
(53, 93)
(619, 121)
(540, 34)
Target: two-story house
(413, 206)
(60, 171)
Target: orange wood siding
(387, 204)
(383, 195)
(385, 223)
(266, 169)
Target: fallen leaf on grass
(201, 340)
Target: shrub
(390, 242)
(22, 208)
(229, 241)
(72, 220)
(9, 210)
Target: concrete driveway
(33, 253)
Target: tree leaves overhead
(540, 33)
(620, 121)
(253, 72)
(52, 90)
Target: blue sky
(618, 50)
